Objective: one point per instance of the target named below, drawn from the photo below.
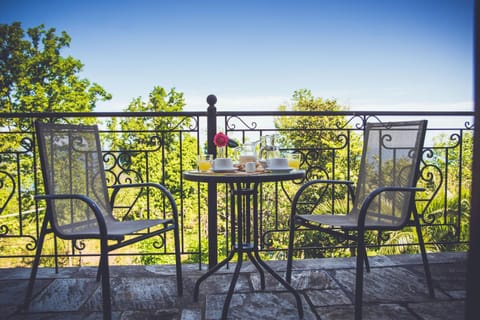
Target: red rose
(220, 139)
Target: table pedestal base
(241, 231)
(259, 264)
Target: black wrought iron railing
(159, 146)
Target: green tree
(164, 146)
(324, 141)
(163, 136)
(303, 100)
(330, 149)
(35, 77)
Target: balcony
(167, 144)
(394, 289)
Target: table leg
(212, 225)
(284, 283)
(259, 269)
(235, 276)
(208, 274)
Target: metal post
(473, 264)
(212, 187)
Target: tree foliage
(157, 148)
(326, 142)
(35, 77)
(163, 136)
(303, 100)
(330, 150)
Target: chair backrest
(391, 156)
(72, 163)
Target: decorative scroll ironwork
(431, 177)
(231, 125)
(441, 206)
(185, 123)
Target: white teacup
(277, 163)
(222, 164)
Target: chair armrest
(372, 195)
(162, 188)
(92, 204)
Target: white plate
(225, 170)
(280, 170)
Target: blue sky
(367, 54)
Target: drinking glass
(294, 160)
(204, 162)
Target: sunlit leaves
(35, 77)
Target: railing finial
(211, 100)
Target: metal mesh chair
(78, 203)
(383, 199)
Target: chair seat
(350, 221)
(115, 229)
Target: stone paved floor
(394, 289)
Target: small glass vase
(221, 152)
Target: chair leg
(99, 269)
(359, 276)
(288, 276)
(55, 246)
(36, 262)
(178, 262)
(365, 257)
(426, 265)
(107, 304)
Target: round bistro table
(244, 213)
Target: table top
(242, 177)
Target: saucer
(225, 170)
(280, 170)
